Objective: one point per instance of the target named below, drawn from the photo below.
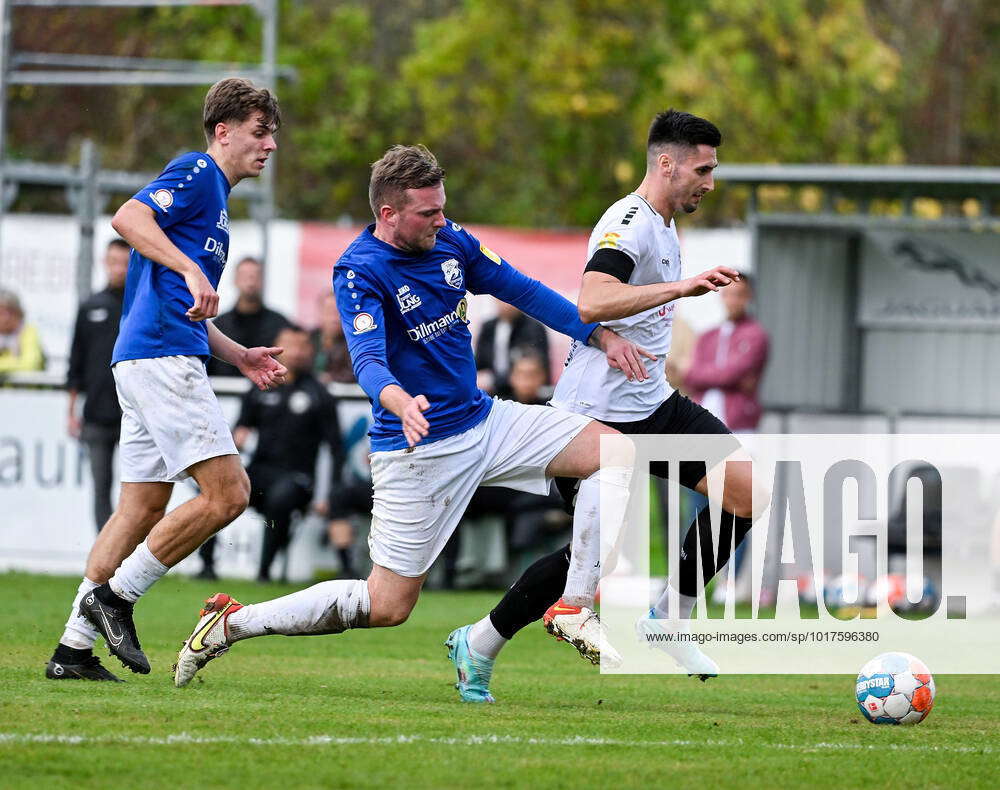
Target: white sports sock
(138, 572)
(324, 608)
(685, 605)
(485, 639)
(591, 544)
(80, 632)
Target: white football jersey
(588, 385)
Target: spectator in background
(529, 375)
(291, 423)
(350, 496)
(332, 361)
(249, 322)
(497, 341)
(728, 362)
(20, 346)
(94, 336)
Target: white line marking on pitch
(471, 740)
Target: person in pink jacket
(728, 362)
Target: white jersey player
(631, 228)
(631, 283)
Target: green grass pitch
(377, 709)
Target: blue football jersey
(404, 316)
(189, 200)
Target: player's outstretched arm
(136, 223)
(258, 364)
(603, 297)
(409, 409)
(554, 311)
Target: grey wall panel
(803, 301)
(931, 371)
(837, 423)
(973, 425)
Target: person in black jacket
(249, 322)
(94, 336)
(499, 340)
(291, 423)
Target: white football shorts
(421, 493)
(171, 418)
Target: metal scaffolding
(87, 185)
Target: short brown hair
(234, 99)
(402, 167)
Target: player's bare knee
(615, 451)
(241, 493)
(389, 614)
(737, 503)
(234, 504)
(741, 503)
(398, 616)
(228, 500)
(226, 506)
(743, 510)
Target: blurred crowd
(280, 432)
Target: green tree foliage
(537, 109)
(949, 83)
(544, 107)
(533, 106)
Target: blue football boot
(473, 669)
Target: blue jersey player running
(401, 289)
(172, 426)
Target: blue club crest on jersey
(453, 274)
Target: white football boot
(208, 640)
(663, 635)
(582, 628)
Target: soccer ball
(895, 688)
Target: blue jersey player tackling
(401, 290)
(172, 426)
